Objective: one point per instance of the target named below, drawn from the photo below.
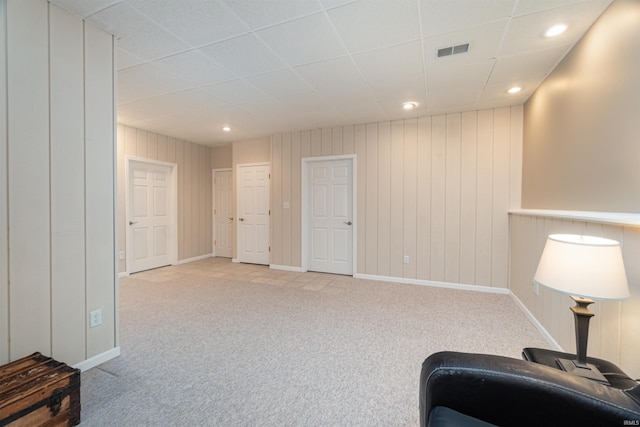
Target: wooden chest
(39, 391)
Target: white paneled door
(253, 214)
(149, 216)
(331, 216)
(223, 213)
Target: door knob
(240, 219)
(230, 219)
(133, 222)
(347, 222)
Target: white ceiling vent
(453, 50)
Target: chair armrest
(506, 391)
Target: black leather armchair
(462, 389)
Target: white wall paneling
(67, 184)
(99, 187)
(28, 174)
(56, 197)
(436, 189)
(613, 332)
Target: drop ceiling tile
(331, 4)
(515, 69)
(125, 59)
(261, 14)
(304, 40)
(197, 22)
(484, 42)
(496, 94)
(84, 8)
(526, 7)
(369, 25)
(244, 56)
(391, 62)
(128, 91)
(195, 67)
(235, 92)
(394, 111)
(155, 80)
(333, 77)
(280, 83)
(446, 16)
(451, 85)
(137, 34)
(527, 32)
(409, 89)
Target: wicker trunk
(39, 391)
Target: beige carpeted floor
(213, 343)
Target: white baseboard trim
(448, 285)
(235, 260)
(552, 342)
(99, 359)
(195, 258)
(123, 274)
(286, 268)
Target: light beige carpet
(218, 344)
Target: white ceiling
(186, 68)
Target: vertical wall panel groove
(276, 201)
(452, 198)
(397, 199)
(409, 185)
(423, 203)
(438, 197)
(360, 141)
(384, 198)
(296, 195)
(371, 197)
(287, 175)
(4, 167)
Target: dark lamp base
(586, 371)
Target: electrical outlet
(406, 259)
(121, 254)
(95, 318)
(535, 288)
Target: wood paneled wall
(437, 189)
(57, 185)
(614, 332)
(194, 186)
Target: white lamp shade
(584, 266)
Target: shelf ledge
(617, 218)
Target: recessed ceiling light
(409, 105)
(515, 89)
(556, 30)
(226, 128)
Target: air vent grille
(453, 50)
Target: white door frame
(306, 205)
(213, 205)
(173, 208)
(239, 166)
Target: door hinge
(269, 211)
(269, 176)
(269, 248)
(215, 242)
(214, 211)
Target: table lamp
(583, 267)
